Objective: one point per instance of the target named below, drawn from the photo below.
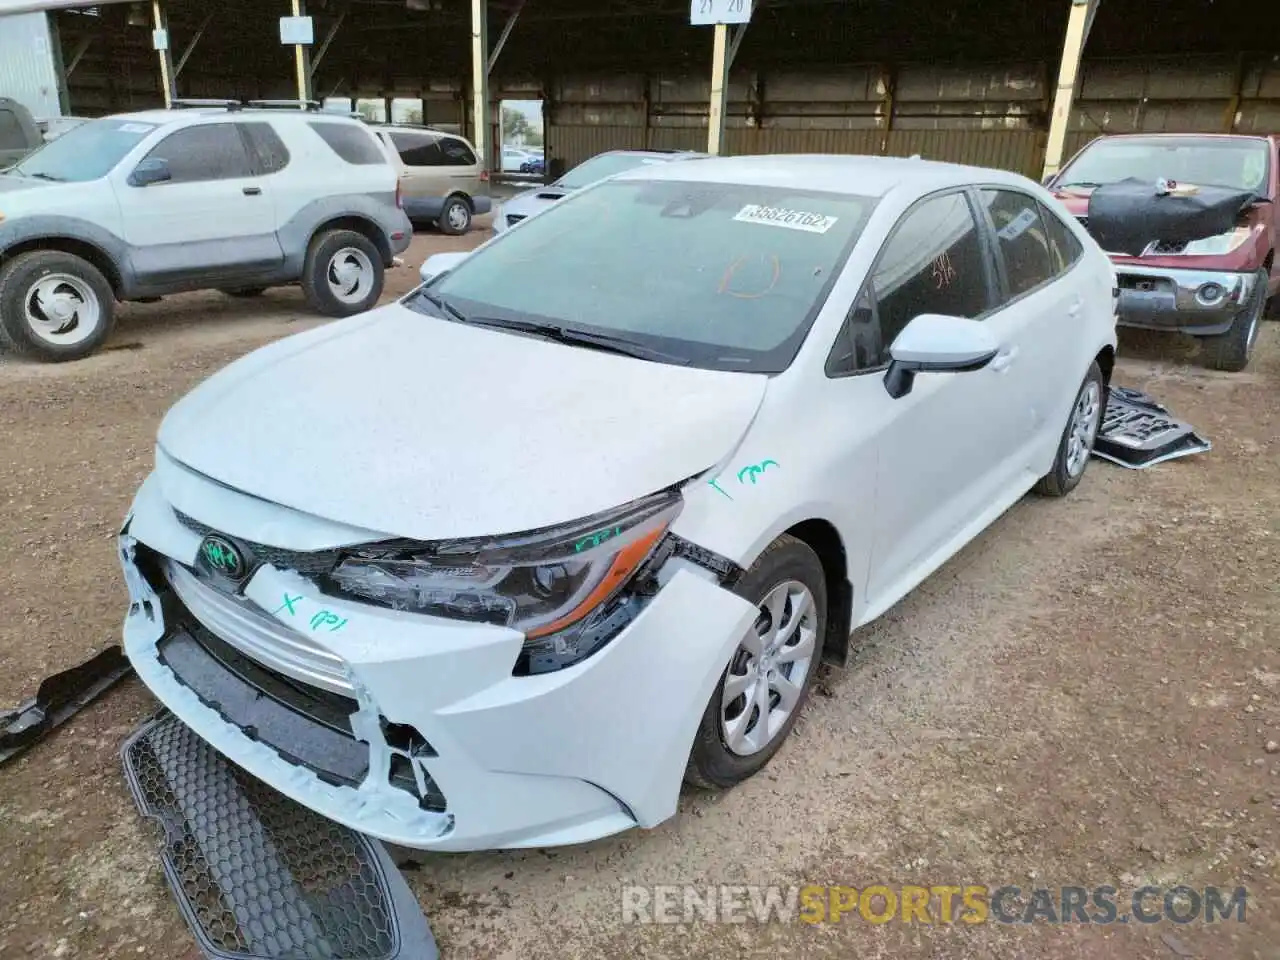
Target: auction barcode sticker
(782, 217)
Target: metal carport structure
(1000, 84)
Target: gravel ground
(1084, 696)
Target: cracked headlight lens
(540, 583)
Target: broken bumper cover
(503, 761)
(1199, 302)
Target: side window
(418, 149)
(352, 142)
(1021, 238)
(12, 136)
(932, 263)
(269, 152)
(457, 153)
(211, 151)
(1063, 244)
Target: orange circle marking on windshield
(737, 264)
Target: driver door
(944, 449)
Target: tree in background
(516, 128)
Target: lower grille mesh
(258, 875)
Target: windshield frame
(1064, 179)
(698, 354)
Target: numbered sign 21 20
(703, 12)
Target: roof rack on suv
(312, 105)
(192, 103)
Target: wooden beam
(301, 57)
(719, 82)
(480, 81)
(1079, 21)
(328, 39)
(78, 54)
(160, 21)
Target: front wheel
(767, 681)
(1076, 446)
(1231, 351)
(343, 274)
(54, 306)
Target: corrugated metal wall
(28, 63)
(993, 116)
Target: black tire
(246, 292)
(1231, 351)
(1058, 482)
(711, 763)
(18, 278)
(459, 210)
(320, 259)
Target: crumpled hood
(399, 422)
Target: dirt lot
(1083, 697)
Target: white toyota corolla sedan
(505, 563)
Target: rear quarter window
(351, 142)
(457, 153)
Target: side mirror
(932, 343)
(154, 170)
(439, 263)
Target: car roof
(656, 154)
(831, 173)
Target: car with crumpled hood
(1216, 288)
(601, 166)
(505, 563)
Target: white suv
(136, 206)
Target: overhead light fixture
(138, 15)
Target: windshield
(86, 152)
(598, 168)
(1240, 164)
(720, 276)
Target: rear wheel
(1076, 446)
(455, 218)
(767, 681)
(1231, 351)
(343, 274)
(54, 305)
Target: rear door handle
(1004, 359)
(252, 191)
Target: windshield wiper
(581, 338)
(43, 176)
(444, 306)
(1078, 183)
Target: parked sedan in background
(524, 205)
(1215, 287)
(759, 400)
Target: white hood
(419, 427)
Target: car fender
(111, 249)
(378, 208)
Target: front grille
(308, 563)
(246, 626)
(259, 876)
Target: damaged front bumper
(1198, 302)
(411, 728)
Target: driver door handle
(1004, 359)
(252, 191)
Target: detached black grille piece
(259, 876)
(514, 218)
(307, 563)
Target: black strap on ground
(58, 699)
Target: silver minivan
(441, 179)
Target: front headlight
(1208, 247)
(540, 583)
